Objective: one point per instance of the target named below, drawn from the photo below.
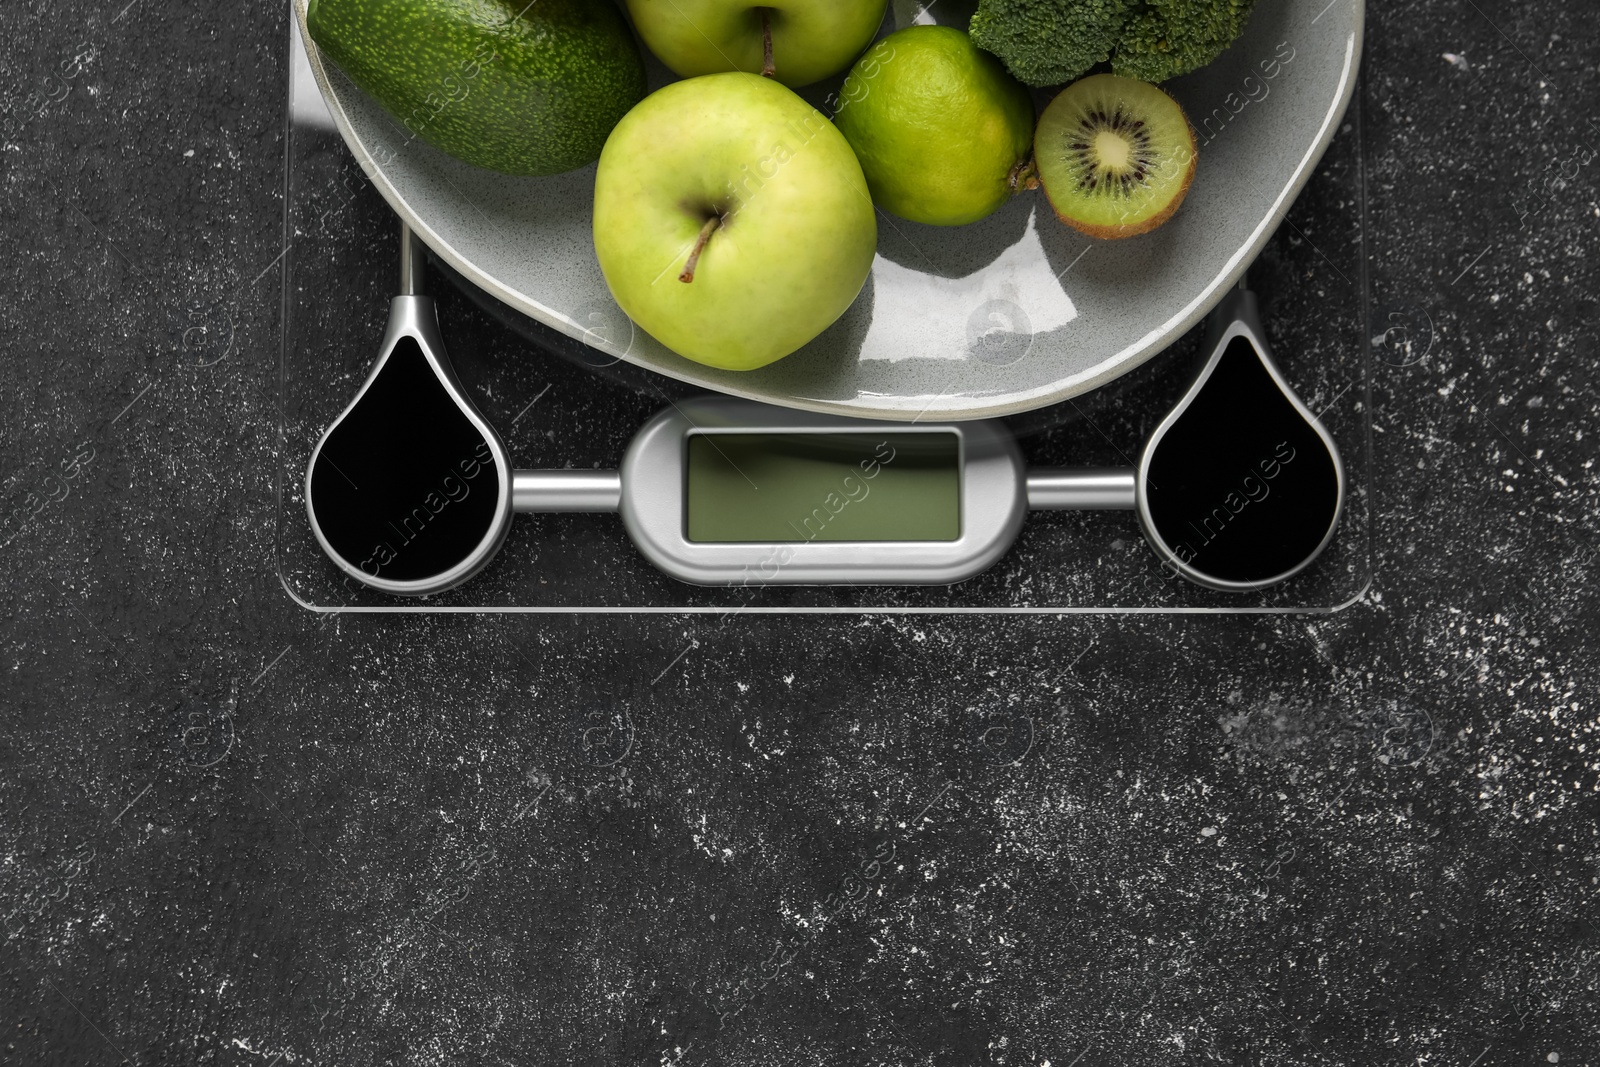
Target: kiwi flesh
(1115, 156)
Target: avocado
(518, 87)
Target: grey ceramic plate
(1008, 314)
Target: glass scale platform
(558, 403)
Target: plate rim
(1107, 370)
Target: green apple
(796, 41)
(731, 220)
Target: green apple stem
(767, 69)
(699, 246)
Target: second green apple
(795, 41)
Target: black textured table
(235, 832)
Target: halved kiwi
(1115, 156)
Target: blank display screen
(797, 487)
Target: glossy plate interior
(1006, 315)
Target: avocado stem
(699, 246)
(767, 69)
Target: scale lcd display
(788, 488)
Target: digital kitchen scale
(411, 491)
(634, 493)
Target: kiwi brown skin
(1116, 233)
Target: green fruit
(518, 87)
(731, 220)
(807, 40)
(942, 131)
(1115, 156)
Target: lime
(942, 130)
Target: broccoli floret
(1172, 37)
(1047, 42)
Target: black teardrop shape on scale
(1240, 486)
(405, 486)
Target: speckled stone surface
(232, 832)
